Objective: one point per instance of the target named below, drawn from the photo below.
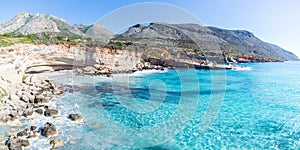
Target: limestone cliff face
(27, 58)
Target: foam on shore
(147, 72)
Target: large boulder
(49, 130)
(23, 133)
(56, 143)
(14, 143)
(41, 99)
(51, 113)
(76, 117)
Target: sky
(273, 21)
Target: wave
(148, 72)
(241, 68)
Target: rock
(25, 132)
(147, 65)
(25, 142)
(27, 112)
(2, 140)
(76, 117)
(39, 111)
(32, 137)
(30, 97)
(49, 130)
(89, 70)
(56, 143)
(3, 148)
(72, 142)
(24, 98)
(39, 69)
(140, 66)
(51, 113)
(97, 66)
(33, 128)
(58, 92)
(14, 143)
(40, 99)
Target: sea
(253, 108)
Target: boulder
(40, 99)
(140, 66)
(76, 117)
(27, 112)
(89, 70)
(25, 132)
(51, 113)
(24, 142)
(58, 92)
(30, 97)
(97, 66)
(39, 111)
(14, 143)
(49, 130)
(33, 128)
(3, 148)
(56, 143)
(147, 65)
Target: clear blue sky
(274, 21)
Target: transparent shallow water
(259, 109)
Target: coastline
(14, 76)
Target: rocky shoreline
(31, 97)
(23, 92)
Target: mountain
(25, 23)
(98, 31)
(197, 41)
(244, 42)
(174, 41)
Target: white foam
(147, 72)
(241, 68)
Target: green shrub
(24, 78)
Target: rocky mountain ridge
(161, 40)
(25, 23)
(196, 41)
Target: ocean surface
(257, 108)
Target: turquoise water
(259, 109)
(175, 109)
